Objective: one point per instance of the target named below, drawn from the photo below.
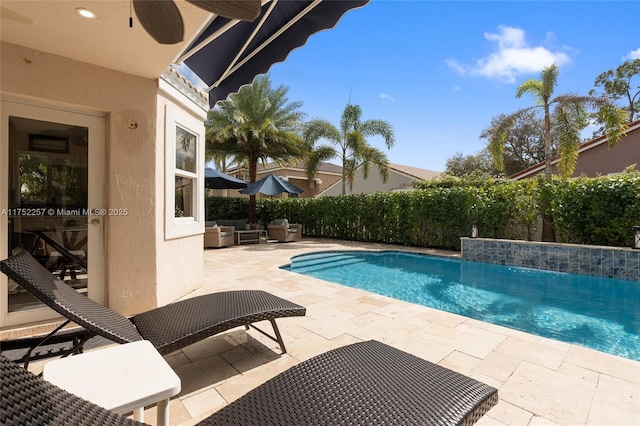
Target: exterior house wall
(135, 254)
(600, 160)
(596, 159)
(372, 184)
(179, 262)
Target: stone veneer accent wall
(613, 262)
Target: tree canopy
(618, 85)
(524, 145)
(479, 164)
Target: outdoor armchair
(217, 236)
(169, 327)
(283, 231)
(366, 383)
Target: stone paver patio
(540, 381)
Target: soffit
(53, 26)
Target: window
(186, 173)
(184, 186)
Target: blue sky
(438, 71)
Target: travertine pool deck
(540, 381)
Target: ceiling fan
(162, 19)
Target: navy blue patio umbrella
(214, 179)
(271, 185)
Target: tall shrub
(597, 211)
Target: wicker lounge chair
(367, 383)
(169, 327)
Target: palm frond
(373, 156)
(568, 124)
(356, 144)
(379, 128)
(498, 136)
(549, 79)
(350, 119)
(615, 123)
(532, 87)
(315, 157)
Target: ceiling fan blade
(161, 19)
(244, 10)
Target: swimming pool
(599, 313)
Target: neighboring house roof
(409, 173)
(322, 167)
(539, 168)
(415, 171)
(269, 167)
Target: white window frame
(178, 227)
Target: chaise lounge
(168, 328)
(366, 383)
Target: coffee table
(122, 378)
(259, 232)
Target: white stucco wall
(142, 269)
(180, 264)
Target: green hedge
(595, 211)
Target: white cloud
(634, 54)
(457, 66)
(384, 97)
(513, 56)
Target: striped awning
(230, 53)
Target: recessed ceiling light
(86, 13)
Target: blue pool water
(599, 313)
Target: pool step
(315, 265)
(320, 258)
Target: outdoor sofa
(238, 225)
(365, 383)
(168, 328)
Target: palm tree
(256, 124)
(570, 117)
(221, 161)
(350, 139)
